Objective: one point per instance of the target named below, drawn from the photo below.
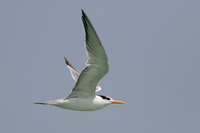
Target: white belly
(80, 104)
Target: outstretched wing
(75, 73)
(97, 63)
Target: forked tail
(53, 102)
(40, 103)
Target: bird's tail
(53, 102)
(41, 103)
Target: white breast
(80, 104)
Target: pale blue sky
(153, 49)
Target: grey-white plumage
(83, 96)
(75, 73)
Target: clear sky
(153, 49)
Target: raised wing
(75, 73)
(97, 63)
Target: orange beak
(119, 102)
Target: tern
(83, 96)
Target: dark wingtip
(82, 11)
(66, 61)
(83, 14)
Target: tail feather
(53, 102)
(41, 103)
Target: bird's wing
(75, 73)
(97, 63)
(98, 88)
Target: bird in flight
(83, 96)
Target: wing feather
(75, 73)
(97, 63)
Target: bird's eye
(108, 98)
(104, 97)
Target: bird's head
(109, 100)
